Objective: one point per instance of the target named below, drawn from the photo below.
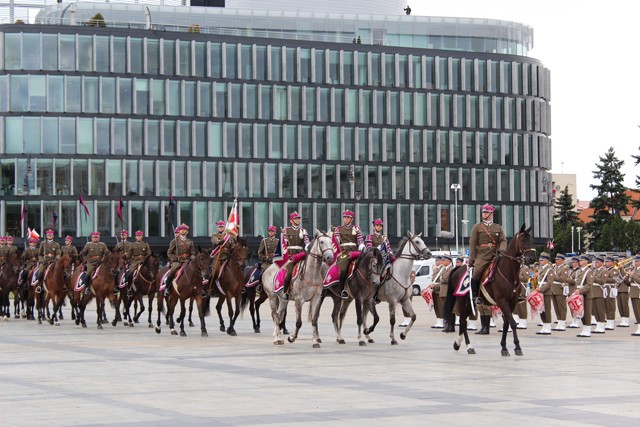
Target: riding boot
(475, 289)
(285, 290)
(168, 280)
(87, 287)
(485, 321)
(344, 294)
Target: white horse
(306, 286)
(396, 287)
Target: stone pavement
(131, 376)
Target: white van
(423, 269)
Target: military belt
(295, 247)
(95, 257)
(489, 245)
(348, 244)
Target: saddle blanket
(333, 274)
(278, 280)
(163, 281)
(79, 284)
(464, 285)
(255, 276)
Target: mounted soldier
(351, 246)
(4, 251)
(296, 239)
(180, 251)
(30, 255)
(223, 243)
(268, 246)
(12, 248)
(377, 240)
(69, 249)
(123, 244)
(93, 253)
(136, 254)
(49, 253)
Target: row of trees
(607, 231)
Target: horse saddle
(80, 282)
(278, 280)
(255, 276)
(487, 275)
(179, 273)
(47, 271)
(163, 281)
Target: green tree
(619, 235)
(564, 219)
(611, 200)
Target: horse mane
(402, 243)
(370, 252)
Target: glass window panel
(301, 180)
(153, 137)
(333, 142)
(19, 93)
(290, 61)
(220, 100)
(276, 63)
(320, 66)
(159, 100)
(305, 65)
(246, 59)
(169, 57)
(114, 182)
(348, 68)
(31, 51)
(256, 180)
(185, 58)
(80, 177)
(50, 135)
(276, 151)
(205, 99)
(236, 101)
(131, 178)
(291, 134)
(363, 69)
(199, 139)
(119, 55)
(215, 50)
(190, 99)
(90, 95)
(154, 218)
(381, 106)
(32, 143)
(227, 179)
(261, 62)
(85, 53)
(67, 52)
(251, 102)
(55, 93)
(49, 51)
(137, 137)
(185, 139)
(142, 96)
(390, 144)
(267, 101)
(385, 191)
(124, 88)
(195, 174)
(232, 140)
(169, 147)
(120, 136)
(389, 70)
(108, 100)
(164, 178)
(153, 56)
(180, 179)
(232, 61)
(210, 185)
(103, 136)
(97, 177)
(67, 135)
(73, 88)
(376, 78)
(147, 174)
(44, 186)
(376, 144)
(4, 93)
(285, 181)
(320, 151)
(85, 136)
(215, 140)
(305, 142)
(102, 54)
(348, 142)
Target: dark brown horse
(54, 284)
(9, 284)
(191, 283)
(249, 298)
(229, 285)
(143, 284)
(501, 291)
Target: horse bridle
(368, 279)
(317, 243)
(411, 255)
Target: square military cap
(585, 258)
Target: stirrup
(38, 290)
(285, 296)
(479, 301)
(344, 294)
(87, 291)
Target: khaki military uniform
(445, 272)
(484, 241)
(12, 249)
(560, 290)
(266, 249)
(583, 281)
(180, 251)
(218, 239)
(545, 280)
(70, 250)
(634, 292)
(598, 292)
(4, 254)
(523, 278)
(377, 239)
(94, 253)
(30, 257)
(613, 275)
(123, 246)
(295, 238)
(49, 252)
(137, 253)
(438, 307)
(350, 238)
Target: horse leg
(159, 320)
(219, 311)
(252, 311)
(370, 306)
(392, 321)
(170, 307)
(274, 302)
(191, 324)
(299, 303)
(507, 314)
(236, 314)
(183, 314)
(503, 341)
(314, 313)
(359, 318)
(406, 304)
(230, 329)
(258, 303)
(99, 309)
(336, 316)
(114, 301)
(203, 327)
(150, 309)
(54, 317)
(283, 323)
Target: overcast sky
(591, 48)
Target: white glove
(361, 248)
(307, 246)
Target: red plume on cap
(348, 213)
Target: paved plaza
(132, 376)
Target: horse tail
(206, 306)
(244, 301)
(450, 301)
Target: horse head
(152, 263)
(522, 246)
(240, 252)
(202, 264)
(412, 245)
(323, 246)
(371, 261)
(67, 265)
(112, 262)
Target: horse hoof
(158, 330)
(174, 332)
(183, 334)
(290, 339)
(125, 323)
(51, 321)
(285, 331)
(222, 329)
(319, 341)
(39, 322)
(256, 330)
(84, 325)
(403, 336)
(362, 344)
(278, 342)
(316, 345)
(99, 326)
(232, 332)
(136, 321)
(505, 353)
(77, 322)
(150, 325)
(518, 352)
(371, 341)
(456, 346)
(114, 322)
(471, 351)
(131, 325)
(204, 334)
(341, 341)
(61, 317)
(394, 342)
(191, 325)
(57, 324)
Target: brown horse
(8, 284)
(54, 283)
(230, 284)
(143, 284)
(501, 291)
(249, 297)
(191, 283)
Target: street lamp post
(579, 239)
(572, 228)
(464, 234)
(455, 188)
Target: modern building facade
(296, 109)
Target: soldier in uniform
(12, 248)
(136, 254)
(69, 249)
(583, 280)
(598, 293)
(623, 298)
(633, 279)
(560, 291)
(4, 251)
(350, 240)
(444, 273)
(459, 262)
(217, 238)
(296, 239)
(225, 239)
(180, 251)
(611, 282)
(575, 266)
(376, 239)
(485, 240)
(524, 276)
(435, 292)
(30, 255)
(545, 276)
(49, 252)
(93, 254)
(123, 244)
(267, 247)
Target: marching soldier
(376, 239)
(634, 291)
(571, 284)
(93, 253)
(583, 280)
(69, 249)
(612, 277)
(524, 276)
(599, 294)
(180, 251)
(623, 298)
(560, 291)
(137, 253)
(49, 252)
(444, 273)
(267, 247)
(350, 240)
(12, 248)
(296, 239)
(485, 240)
(545, 276)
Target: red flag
(23, 214)
(120, 206)
(233, 222)
(86, 209)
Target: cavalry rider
(267, 247)
(136, 254)
(123, 244)
(350, 240)
(485, 240)
(30, 255)
(376, 239)
(93, 253)
(12, 248)
(69, 249)
(181, 250)
(4, 251)
(225, 240)
(296, 240)
(49, 253)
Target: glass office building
(308, 111)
